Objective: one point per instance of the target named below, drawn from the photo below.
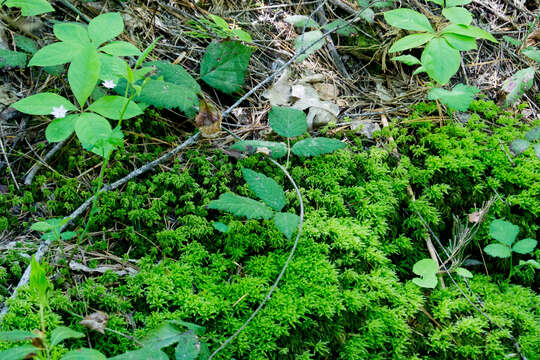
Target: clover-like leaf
(286, 121)
(503, 231)
(241, 206)
(266, 189)
(524, 246)
(427, 270)
(459, 98)
(317, 146)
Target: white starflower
(109, 84)
(59, 112)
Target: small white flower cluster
(109, 84)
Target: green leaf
(224, 65)
(345, 28)
(163, 336)
(221, 227)
(450, 3)
(519, 146)
(440, 60)
(219, 21)
(287, 223)
(62, 333)
(273, 149)
(531, 262)
(162, 94)
(288, 122)
(17, 335)
(197, 329)
(524, 246)
(188, 347)
(469, 30)
(308, 42)
(367, 14)
(503, 231)
(406, 59)
(536, 149)
(241, 206)
(498, 250)
(55, 54)
(105, 27)
(142, 354)
(408, 19)
(532, 53)
(301, 20)
(428, 281)
(84, 354)
(83, 74)
(111, 107)
(464, 273)
(242, 35)
(72, 33)
(38, 281)
(512, 41)
(91, 129)
(317, 146)
(460, 42)
(68, 235)
(146, 52)
(533, 134)
(175, 74)
(112, 68)
(19, 352)
(41, 226)
(26, 44)
(10, 58)
(120, 48)
(458, 15)
(410, 41)
(60, 129)
(517, 84)
(459, 98)
(31, 7)
(427, 269)
(266, 189)
(42, 104)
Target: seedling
(428, 269)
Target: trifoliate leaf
(287, 121)
(519, 146)
(287, 223)
(241, 206)
(308, 43)
(266, 189)
(459, 98)
(524, 246)
(498, 250)
(317, 146)
(273, 149)
(503, 231)
(517, 84)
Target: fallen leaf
(307, 97)
(96, 321)
(318, 117)
(326, 91)
(280, 92)
(208, 120)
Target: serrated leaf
(31, 7)
(10, 58)
(343, 27)
(429, 281)
(532, 53)
(221, 227)
(301, 21)
(406, 59)
(273, 149)
(105, 27)
(408, 19)
(498, 250)
(503, 231)
(517, 84)
(241, 206)
(120, 48)
(519, 146)
(188, 347)
(111, 107)
(286, 121)
(16, 335)
(533, 134)
(464, 273)
(18, 353)
(460, 42)
(410, 42)
(60, 129)
(175, 74)
(42, 104)
(317, 146)
(266, 189)
(84, 354)
(524, 246)
(308, 42)
(142, 354)
(224, 65)
(469, 30)
(83, 74)
(458, 15)
(459, 98)
(440, 60)
(287, 223)
(62, 333)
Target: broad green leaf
(531, 262)
(536, 149)
(469, 30)
(524, 246)
(221, 227)
(84, 354)
(55, 54)
(19, 352)
(242, 35)
(519, 146)
(219, 21)
(406, 59)
(450, 3)
(83, 74)
(428, 281)
(458, 15)
(17, 335)
(38, 281)
(301, 20)
(459, 98)
(266, 189)
(410, 41)
(286, 121)
(41, 226)
(112, 68)
(68, 235)
(105, 27)
(146, 52)
(197, 329)
(205, 352)
(72, 32)
(62, 333)
(92, 128)
(111, 107)
(10, 58)
(503, 231)
(517, 84)
(163, 336)
(408, 19)
(273, 149)
(287, 223)
(120, 48)
(224, 65)
(464, 273)
(440, 60)
(26, 44)
(42, 104)
(498, 250)
(241, 206)
(175, 74)
(31, 7)
(317, 146)
(343, 28)
(460, 42)
(188, 347)
(425, 267)
(142, 354)
(532, 53)
(60, 129)
(419, 70)
(162, 94)
(308, 42)
(533, 134)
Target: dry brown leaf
(326, 91)
(96, 321)
(476, 216)
(208, 120)
(280, 93)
